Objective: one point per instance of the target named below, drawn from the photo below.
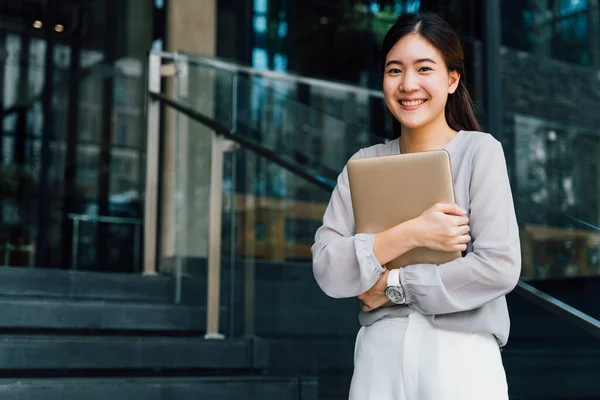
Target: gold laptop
(389, 190)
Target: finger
(459, 247)
(450, 209)
(461, 230)
(464, 239)
(459, 221)
(362, 297)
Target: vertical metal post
(491, 61)
(180, 140)
(75, 241)
(214, 239)
(232, 241)
(152, 168)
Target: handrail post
(214, 239)
(152, 167)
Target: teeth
(412, 103)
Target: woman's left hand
(375, 297)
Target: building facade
(73, 147)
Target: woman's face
(416, 82)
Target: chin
(412, 124)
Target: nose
(409, 82)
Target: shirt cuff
(364, 251)
(406, 274)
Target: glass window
(571, 40)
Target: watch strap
(393, 278)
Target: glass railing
(555, 244)
(270, 215)
(316, 123)
(320, 127)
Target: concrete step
(86, 285)
(46, 314)
(84, 353)
(89, 285)
(247, 388)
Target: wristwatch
(394, 291)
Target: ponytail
(460, 110)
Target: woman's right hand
(443, 227)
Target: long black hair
(460, 110)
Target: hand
(375, 297)
(443, 227)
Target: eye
(394, 71)
(425, 69)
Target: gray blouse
(467, 294)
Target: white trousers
(409, 359)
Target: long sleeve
(343, 262)
(492, 269)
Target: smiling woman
(428, 331)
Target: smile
(410, 104)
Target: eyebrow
(419, 61)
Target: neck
(434, 136)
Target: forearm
(392, 243)
(463, 284)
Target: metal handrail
(559, 308)
(548, 302)
(302, 171)
(269, 74)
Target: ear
(453, 81)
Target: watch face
(395, 294)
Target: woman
(429, 332)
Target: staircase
(92, 335)
(95, 335)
